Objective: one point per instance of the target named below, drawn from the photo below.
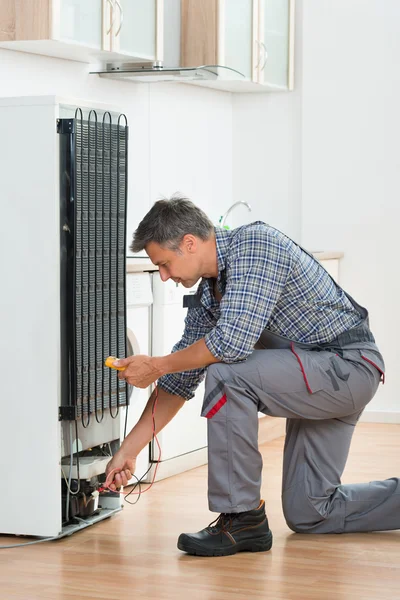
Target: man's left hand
(140, 370)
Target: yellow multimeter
(109, 363)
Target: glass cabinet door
(276, 24)
(236, 42)
(81, 22)
(135, 28)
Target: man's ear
(190, 243)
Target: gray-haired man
(275, 334)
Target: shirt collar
(222, 241)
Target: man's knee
(218, 372)
(292, 518)
(299, 512)
(295, 523)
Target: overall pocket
(309, 367)
(375, 360)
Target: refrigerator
(63, 173)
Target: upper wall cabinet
(83, 30)
(255, 37)
(137, 29)
(217, 32)
(275, 44)
(77, 23)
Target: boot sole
(261, 544)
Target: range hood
(147, 73)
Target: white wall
(266, 160)
(267, 152)
(191, 145)
(180, 136)
(351, 157)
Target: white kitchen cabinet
(137, 29)
(254, 37)
(81, 22)
(275, 44)
(236, 36)
(86, 31)
(218, 32)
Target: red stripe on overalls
(301, 368)
(376, 367)
(216, 407)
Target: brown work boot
(230, 533)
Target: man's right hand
(119, 471)
(122, 466)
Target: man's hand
(140, 370)
(119, 471)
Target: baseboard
(274, 427)
(179, 464)
(371, 416)
(269, 428)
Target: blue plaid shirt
(266, 281)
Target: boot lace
(221, 523)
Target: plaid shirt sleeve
(198, 323)
(258, 268)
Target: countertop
(327, 255)
(141, 264)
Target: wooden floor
(133, 555)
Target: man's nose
(163, 274)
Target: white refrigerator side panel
(30, 502)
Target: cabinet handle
(112, 17)
(121, 17)
(265, 56)
(259, 53)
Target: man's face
(182, 267)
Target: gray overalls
(321, 390)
